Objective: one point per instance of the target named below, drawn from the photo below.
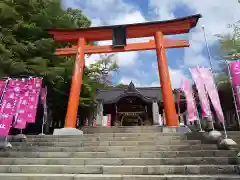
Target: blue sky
(141, 67)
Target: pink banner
(94, 122)
(2, 85)
(86, 122)
(109, 120)
(191, 106)
(34, 87)
(234, 68)
(235, 72)
(20, 120)
(206, 112)
(8, 106)
(208, 80)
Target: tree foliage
(230, 43)
(230, 51)
(26, 49)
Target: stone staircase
(235, 135)
(124, 153)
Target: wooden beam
(129, 47)
(175, 26)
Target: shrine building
(132, 106)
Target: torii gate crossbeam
(155, 29)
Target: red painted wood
(175, 26)
(129, 47)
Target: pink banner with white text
(20, 120)
(206, 112)
(208, 80)
(34, 87)
(191, 106)
(235, 74)
(8, 106)
(2, 85)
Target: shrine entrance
(133, 108)
(131, 111)
(119, 35)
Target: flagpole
(7, 144)
(178, 103)
(43, 119)
(195, 106)
(43, 99)
(234, 98)
(211, 69)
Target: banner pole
(43, 119)
(211, 116)
(234, 98)
(7, 144)
(4, 90)
(211, 69)
(178, 103)
(196, 110)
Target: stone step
(108, 143)
(105, 131)
(139, 139)
(10, 176)
(126, 170)
(120, 154)
(90, 130)
(115, 148)
(125, 138)
(232, 132)
(141, 134)
(120, 161)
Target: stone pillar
(99, 117)
(155, 112)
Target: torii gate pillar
(167, 95)
(74, 97)
(156, 29)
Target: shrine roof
(108, 96)
(147, 29)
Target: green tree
(26, 49)
(122, 85)
(230, 43)
(230, 51)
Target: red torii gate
(119, 34)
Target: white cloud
(96, 22)
(129, 18)
(127, 80)
(137, 83)
(176, 77)
(126, 59)
(155, 84)
(216, 16)
(91, 59)
(111, 12)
